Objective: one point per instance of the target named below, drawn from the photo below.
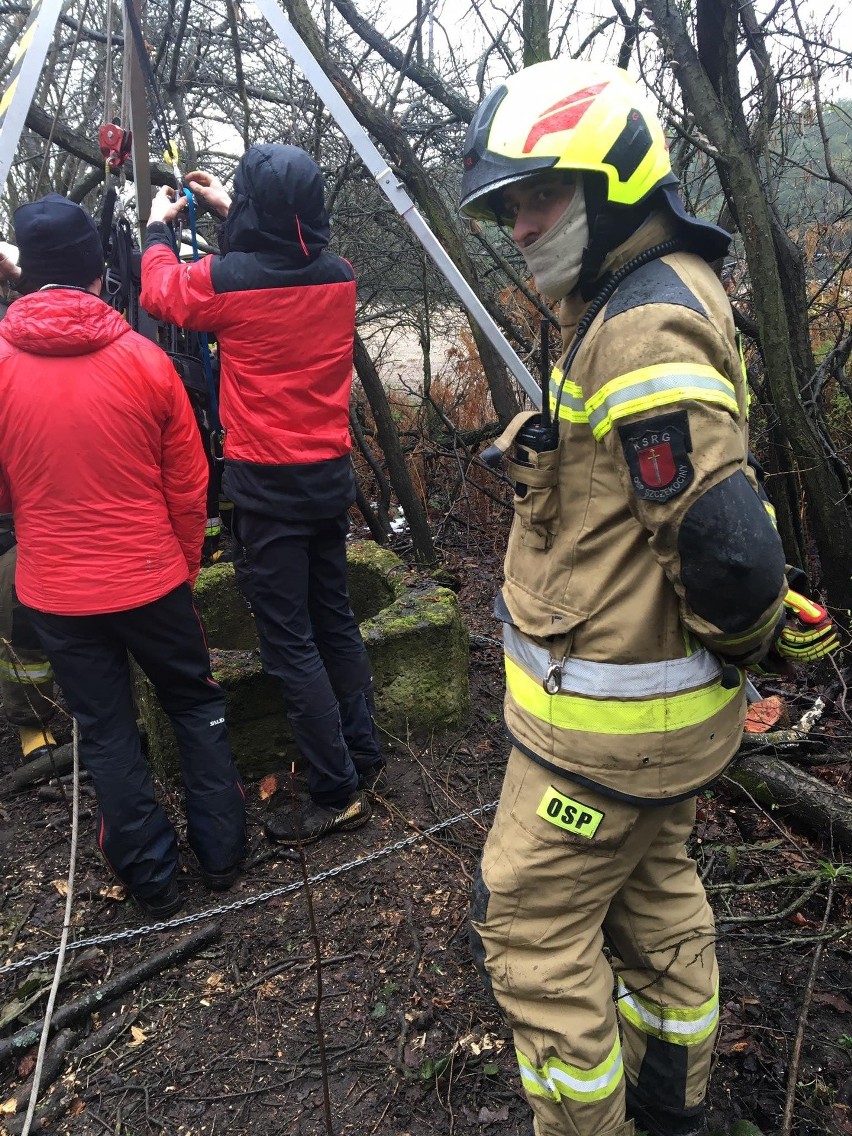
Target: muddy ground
(227, 1042)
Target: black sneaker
(374, 780)
(307, 821)
(162, 904)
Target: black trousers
(89, 657)
(293, 573)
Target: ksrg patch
(570, 815)
(657, 452)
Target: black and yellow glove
(809, 632)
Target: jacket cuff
(752, 645)
(157, 233)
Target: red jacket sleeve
(185, 475)
(179, 293)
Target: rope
(160, 126)
(61, 100)
(217, 434)
(66, 927)
(108, 66)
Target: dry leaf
(77, 1106)
(61, 886)
(116, 892)
(26, 1065)
(835, 1000)
(9, 1107)
(268, 786)
(215, 980)
(139, 1037)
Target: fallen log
(791, 792)
(54, 1063)
(41, 769)
(807, 750)
(57, 1103)
(101, 995)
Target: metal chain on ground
(249, 901)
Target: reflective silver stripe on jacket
(614, 680)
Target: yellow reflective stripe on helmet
(25, 673)
(616, 716)
(676, 1025)
(556, 1079)
(572, 401)
(650, 387)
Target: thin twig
(309, 904)
(793, 1074)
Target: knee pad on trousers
(478, 911)
(657, 1120)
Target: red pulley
(115, 145)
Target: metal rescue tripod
(32, 51)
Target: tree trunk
(536, 25)
(422, 188)
(415, 514)
(790, 792)
(828, 509)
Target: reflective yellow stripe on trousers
(676, 1026)
(556, 1079)
(25, 674)
(612, 698)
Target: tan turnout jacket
(612, 678)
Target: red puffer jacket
(101, 462)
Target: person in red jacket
(282, 308)
(102, 468)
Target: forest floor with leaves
(231, 1041)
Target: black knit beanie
(58, 243)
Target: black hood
(278, 205)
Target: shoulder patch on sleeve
(657, 453)
(654, 283)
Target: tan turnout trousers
(566, 871)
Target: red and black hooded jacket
(282, 308)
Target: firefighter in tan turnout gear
(643, 574)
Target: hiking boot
(222, 880)
(161, 904)
(374, 780)
(306, 821)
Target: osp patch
(657, 452)
(568, 814)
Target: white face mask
(555, 259)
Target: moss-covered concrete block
(418, 650)
(415, 638)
